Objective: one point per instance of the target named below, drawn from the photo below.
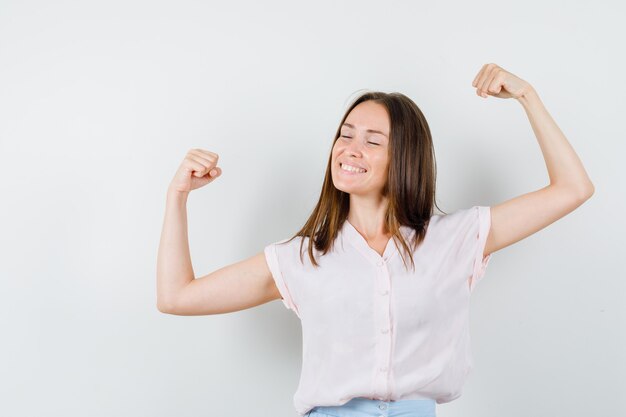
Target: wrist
(529, 96)
(176, 195)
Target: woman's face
(364, 143)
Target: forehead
(369, 116)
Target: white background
(100, 101)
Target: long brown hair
(410, 185)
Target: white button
(384, 330)
(385, 292)
(383, 369)
(380, 263)
(383, 406)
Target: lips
(351, 164)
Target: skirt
(365, 407)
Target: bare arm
(174, 268)
(239, 286)
(242, 285)
(569, 186)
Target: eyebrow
(368, 130)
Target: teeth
(351, 168)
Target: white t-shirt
(370, 327)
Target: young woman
(383, 289)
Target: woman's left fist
(495, 81)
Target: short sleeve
(481, 215)
(272, 257)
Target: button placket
(382, 327)
(383, 351)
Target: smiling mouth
(352, 170)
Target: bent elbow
(579, 193)
(587, 191)
(164, 307)
(161, 307)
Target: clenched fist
(197, 170)
(493, 80)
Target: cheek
(337, 151)
(382, 164)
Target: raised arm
(570, 186)
(241, 285)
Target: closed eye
(350, 137)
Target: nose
(354, 147)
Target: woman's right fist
(197, 170)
